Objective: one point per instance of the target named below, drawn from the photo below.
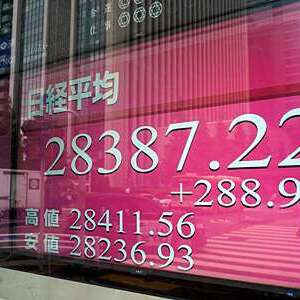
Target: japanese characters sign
(55, 98)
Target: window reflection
(117, 135)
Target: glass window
(152, 145)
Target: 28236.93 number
(101, 247)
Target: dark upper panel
(102, 24)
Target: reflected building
(94, 32)
(5, 118)
(5, 103)
(32, 32)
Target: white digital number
(283, 192)
(138, 252)
(144, 148)
(193, 126)
(75, 251)
(208, 186)
(169, 258)
(137, 215)
(81, 153)
(121, 250)
(226, 192)
(104, 221)
(250, 192)
(187, 257)
(182, 222)
(112, 151)
(261, 127)
(291, 160)
(89, 223)
(106, 242)
(89, 249)
(163, 220)
(74, 226)
(121, 226)
(61, 145)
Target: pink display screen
(180, 154)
